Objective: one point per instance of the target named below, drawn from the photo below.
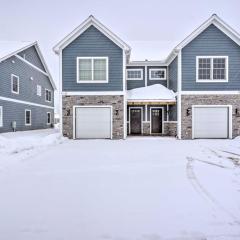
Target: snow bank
(153, 92)
(19, 144)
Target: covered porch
(151, 110)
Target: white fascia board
(91, 21)
(147, 63)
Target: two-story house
(26, 88)
(193, 93)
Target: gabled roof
(11, 48)
(216, 21)
(91, 21)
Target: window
(134, 74)
(212, 69)
(39, 90)
(92, 69)
(1, 116)
(27, 117)
(48, 95)
(157, 74)
(48, 118)
(15, 84)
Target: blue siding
(151, 82)
(92, 43)
(16, 112)
(27, 87)
(212, 41)
(136, 83)
(172, 70)
(31, 55)
(173, 112)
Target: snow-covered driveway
(137, 189)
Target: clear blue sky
(154, 21)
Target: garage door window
(92, 69)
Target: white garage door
(93, 122)
(211, 122)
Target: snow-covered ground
(138, 189)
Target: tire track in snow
(203, 192)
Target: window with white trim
(134, 74)
(15, 83)
(48, 95)
(28, 117)
(1, 116)
(39, 90)
(212, 68)
(157, 74)
(48, 118)
(92, 69)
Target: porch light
(188, 112)
(116, 112)
(237, 111)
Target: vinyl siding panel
(173, 112)
(32, 56)
(27, 87)
(92, 43)
(172, 74)
(211, 42)
(16, 112)
(131, 84)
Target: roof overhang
(216, 21)
(91, 21)
(35, 44)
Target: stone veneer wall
(115, 101)
(189, 100)
(170, 129)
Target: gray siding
(31, 55)
(172, 74)
(212, 41)
(151, 82)
(136, 83)
(173, 112)
(16, 112)
(27, 87)
(92, 43)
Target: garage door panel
(93, 122)
(211, 122)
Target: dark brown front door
(156, 120)
(135, 121)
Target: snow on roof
(153, 92)
(9, 47)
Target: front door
(135, 121)
(156, 120)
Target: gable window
(1, 116)
(212, 68)
(48, 118)
(15, 84)
(28, 117)
(39, 90)
(92, 69)
(157, 74)
(134, 74)
(48, 95)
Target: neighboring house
(26, 88)
(193, 93)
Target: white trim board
(210, 92)
(91, 106)
(90, 21)
(1, 116)
(214, 106)
(106, 93)
(25, 102)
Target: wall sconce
(68, 112)
(116, 112)
(237, 111)
(188, 112)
